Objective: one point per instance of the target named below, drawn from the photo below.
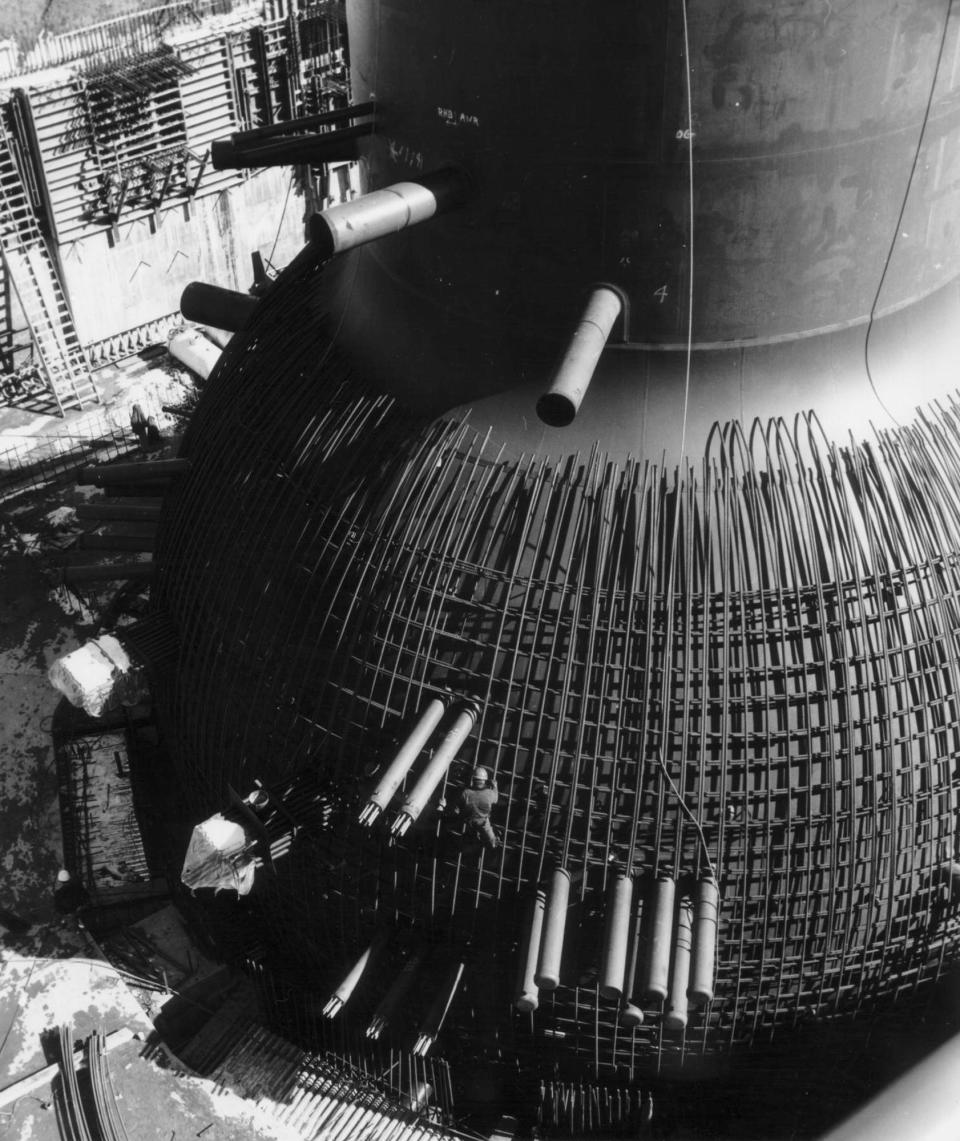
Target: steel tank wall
(809, 128)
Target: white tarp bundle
(99, 676)
(190, 347)
(219, 856)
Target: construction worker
(474, 804)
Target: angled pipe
(559, 405)
(387, 211)
(657, 975)
(411, 748)
(389, 1006)
(435, 771)
(706, 909)
(148, 471)
(437, 1013)
(342, 995)
(107, 572)
(675, 1016)
(616, 936)
(212, 305)
(554, 927)
(338, 145)
(631, 1015)
(527, 995)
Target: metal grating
(332, 561)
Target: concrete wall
(114, 287)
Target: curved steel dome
(740, 656)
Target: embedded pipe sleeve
(560, 403)
(616, 936)
(390, 1004)
(706, 910)
(554, 925)
(657, 977)
(675, 1016)
(212, 305)
(431, 776)
(387, 211)
(528, 998)
(381, 796)
(630, 1014)
(341, 996)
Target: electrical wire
(283, 214)
(672, 559)
(903, 208)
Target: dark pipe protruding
(307, 122)
(116, 542)
(212, 305)
(107, 572)
(148, 471)
(675, 1016)
(555, 922)
(113, 512)
(438, 1011)
(527, 996)
(657, 976)
(392, 1002)
(387, 211)
(560, 403)
(706, 911)
(616, 936)
(339, 145)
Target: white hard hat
(480, 773)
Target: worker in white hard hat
(474, 805)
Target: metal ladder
(31, 273)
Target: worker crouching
(474, 804)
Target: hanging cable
(283, 214)
(903, 208)
(666, 672)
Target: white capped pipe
(616, 936)
(528, 997)
(387, 211)
(657, 975)
(437, 766)
(560, 403)
(381, 796)
(675, 1016)
(191, 348)
(554, 925)
(630, 1013)
(702, 968)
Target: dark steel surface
(807, 120)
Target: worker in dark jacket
(474, 805)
